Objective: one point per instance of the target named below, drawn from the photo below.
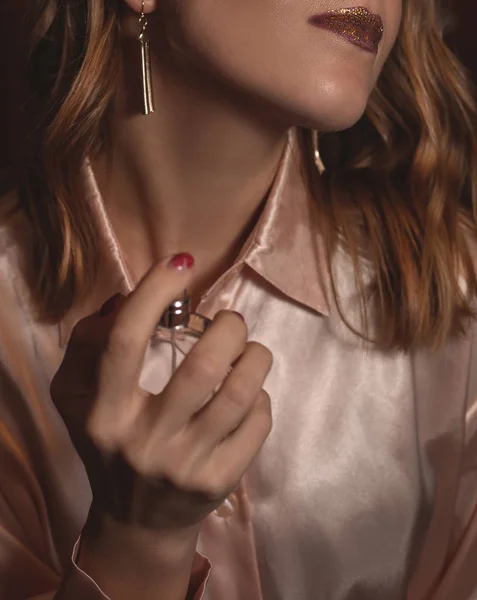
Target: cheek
(227, 31)
(392, 19)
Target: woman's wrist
(128, 561)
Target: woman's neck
(192, 176)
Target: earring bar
(317, 156)
(146, 65)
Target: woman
(341, 289)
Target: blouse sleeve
(34, 563)
(28, 565)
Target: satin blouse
(366, 488)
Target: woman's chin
(334, 109)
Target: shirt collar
(285, 247)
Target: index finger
(134, 324)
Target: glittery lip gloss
(358, 25)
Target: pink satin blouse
(366, 489)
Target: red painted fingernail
(109, 306)
(181, 262)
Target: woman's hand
(159, 464)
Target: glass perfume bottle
(175, 335)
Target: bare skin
(201, 193)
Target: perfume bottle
(175, 335)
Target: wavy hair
(401, 185)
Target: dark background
(463, 40)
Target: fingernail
(109, 306)
(181, 262)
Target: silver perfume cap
(178, 314)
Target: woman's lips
(358, 25)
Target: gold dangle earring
(146, 64)
(316, 150)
